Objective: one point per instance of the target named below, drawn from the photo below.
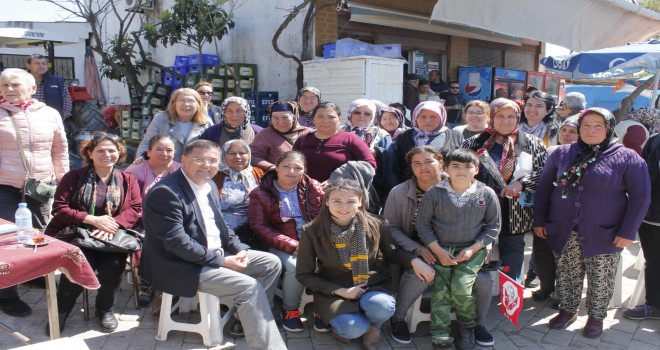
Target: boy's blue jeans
(377, 307)
(453, 287)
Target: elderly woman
(285, 200)
(401, 215)
(360, 121)
(590, 201)
(235, 124)
(159, 162)
(33, 146)
(429, 129)
(327, 148)
(571, 105)
(344, 257)
(538, 117)
(103, 199)
(308, 98)
(516, 160)
(391, 120)
(205, 91)
(184, 120)
(278, 138)
(476, 115)
(235, 179)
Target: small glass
(39, 237)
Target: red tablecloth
(19, 264)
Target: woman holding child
(343, 258)
(457, 219)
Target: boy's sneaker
(291, 321)
(319, 325)
(399, 331)
(482, 336)
(443, 343)
(642, 312)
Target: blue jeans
(377, 307)
(512, 254)
(291, 289)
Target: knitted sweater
(611, 199)
(268, 145)
(438, 219)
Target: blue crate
(207, 60)
(329, 50)
(181, 70)
(198, 68)
(181, 61)
(259, 102)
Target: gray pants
(410, 288)
(250, 290)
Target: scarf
(244, 176)
(239, 131)
(286, 106)
(351, 246)
(306, 119)
(538, 130)
(578, 166)
(23, 105)
(422, 137)
(86, 196)
(508, 142)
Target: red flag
(511, 298)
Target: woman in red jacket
(285, 200)
(103, 199)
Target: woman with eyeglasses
(102, 198)
(235, 179)
(343, 258)
(538, 117)
(328, 147)
(235, 123)
(475, 115)
(279, 136)
(205, 91)
(185, 120)
(34, 130)
(285, 200)
(360, 121)
(308, 98)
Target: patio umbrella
(92, 77)
(609, 63)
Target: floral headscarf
(422, 137)
(646, 116)
(306, 116)
(240, 130)
(244, 176)
(508, 142)
(359, 103)
(399, 116)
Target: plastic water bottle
(24, 231)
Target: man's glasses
(208, 93)
(202, 161)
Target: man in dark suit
(189, 248)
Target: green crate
(125, 133)
(217, 96)
(192, 78)
(214, 69)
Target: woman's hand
(512, 190)
(425, 254)
(103, 223)
(102, 235)
(540, 232)
(621, 242)
(138, 161)
(355, 292)
(423, 271)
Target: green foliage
(120, 56)
(653, 5)
(190, 22)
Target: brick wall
(325, 25)
(457, 55)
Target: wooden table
(20, 263)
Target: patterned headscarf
(646, 116)
(508, 142)
(244, 176)
(366, 133)
(571, 177)
(399, 116)
(240, 130)
(422, 137)
(285, 106)
(307, 115)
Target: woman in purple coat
(590, 201)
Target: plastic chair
(305, 299)
(415, 314)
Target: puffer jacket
(44, 144)
(264, 211)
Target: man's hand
(237, 262)
(467, 253)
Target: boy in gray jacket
(456, 219)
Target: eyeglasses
(308, 98)
(454, 87)
(475, 113)
(208, 93)
(202, 161)
(186, 102)
(100, 135)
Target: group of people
(334, 205)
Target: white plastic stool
(209, 327)
(415, 314)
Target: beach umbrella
(611, 62)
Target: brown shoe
(371, 339)
(562, 320)
(593, 328)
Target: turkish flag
(511, 298)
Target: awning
(25, 37)
(578, 25)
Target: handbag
(123, 241)
(33, 187)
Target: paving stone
(532, 334)
(300, 343)
(643, 346)
(616, 337)
(622, 324)
(558, 337)
(648, 336)
(504, 345)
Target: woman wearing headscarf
(590, 202)
(235, 179)
(538, 117)
(308, 98)
(429, 129)
(516, 160)
(391, 120)
(235, 123)
(280, 135)
(360, 121)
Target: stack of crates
(259, 102)
(181, 67)
(130, 124)
(197, 67)
(154, 101)
(217, 82)
(239, 78)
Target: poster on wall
(475, 83)
(433, 65)
(420, 67)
